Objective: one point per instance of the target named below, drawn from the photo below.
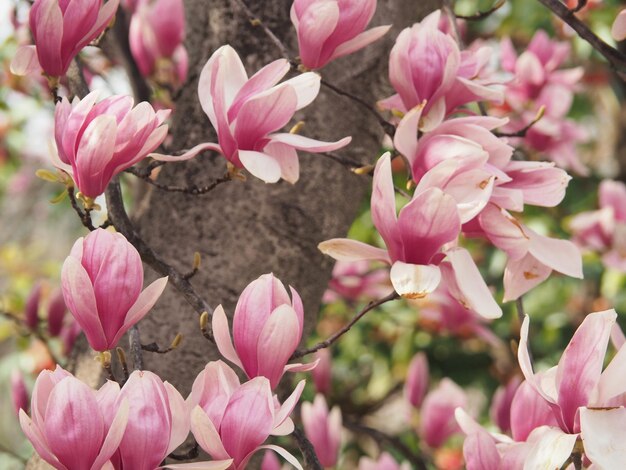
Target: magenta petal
(113, 437)
(48, 32)
(580, 366)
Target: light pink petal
(289, 404)
(470, 286)
(80, 299)
(480, 452)
(105, 15)
(603, 433)
(284, 454)
(213, 465)
(206, 435)
(189, 154)
(405, 138)
(314, 27)
(383, 204)
(277, 341)
(360, 41)
(25, 61)
(38, 441)
(581, 364)
(180, 418)
(302, 367)
(522, 275)
(613, 194)
(287, 159)
(310, 145)
(561, 255)
(142, 306)
(551, 448)
(528, 411)
(344, 249)
(221, 333)
(307, 87)
(504, 231)
(529, 69)
(414, 281)
(618, 30)
(113, 437)
(263, 166)
(49, 34)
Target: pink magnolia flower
(416, 242)
(231, 421)
(603, 433)
(528, 411)
(416, 384)
(56, 313)
(247, 112)
(578, 380)
(437, 422)
(385, 462)
(604, 230)
(156, 35)
(323, 429)
(426, 65)
(19, 394)
(328, 30)
(102, 280)
(531, 257)
(96, 141)
(618, 30)
(322, 374)
(60, 30)
(267, 328)
(67, 427)
(31, 307)
(270, 461)
(158, 419)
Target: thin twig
(524, 130)
(154, 347)
(121, 356)
(84, 216)
(580, 5)
(256, 21)
(135, 347)
(393, 441)
(193, 190)
(119, 217)
(311, 462)
(615, 57)
(338, 334)
(389, 128)
(482, 14)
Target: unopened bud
(297, 128)
(204, 320)
(177, 341)
(197, 259)
(364, 170)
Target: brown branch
(338, 334)
(311, 462)
(84, 216)
(615, 57)
(389, 128)
(580, 5)
(193, 190)
(119, 217)
(379, 436)
(135, 347)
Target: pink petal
(277, 341)
(414, 281)
(284, 454)
(287, 159)
(310, 145)
(189, 154)
(48, 32)
(105, 15)
(288, 405)
(405, 138)
(314, 27)
(38, 441)
(470, 288)
(114, 436)
(360, 41)
(581, 364)
(528, 411)
(613, 194)
(221, 333)
(504, 231)
(142, 306)
(522, 275)
(551, 448)
(344, 249)
(561, 255)
(263, 166)
(25, 61)
(383, 204)
(480, 452)
(618, 30)
(206, 435)
(180, 418)
(307, 87)
(603, 433)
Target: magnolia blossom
(267, 328)
(416, 384)
(500, 410)
(56, 312)
(247, 112)
(60, 30)
(604, 230)
(385, 462)
(230, 421)
(158, 419)
(31, 307)
(96, 141)
(356, 280)
(437, 422)
(418, 240)
(322, 374)
(528, 411)
(102, 280)
(156, 34)
(328, 30)
(426, 64)
(70, 426)
(618, 30)
(323, 429)
(19, 393)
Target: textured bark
(246, 229)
